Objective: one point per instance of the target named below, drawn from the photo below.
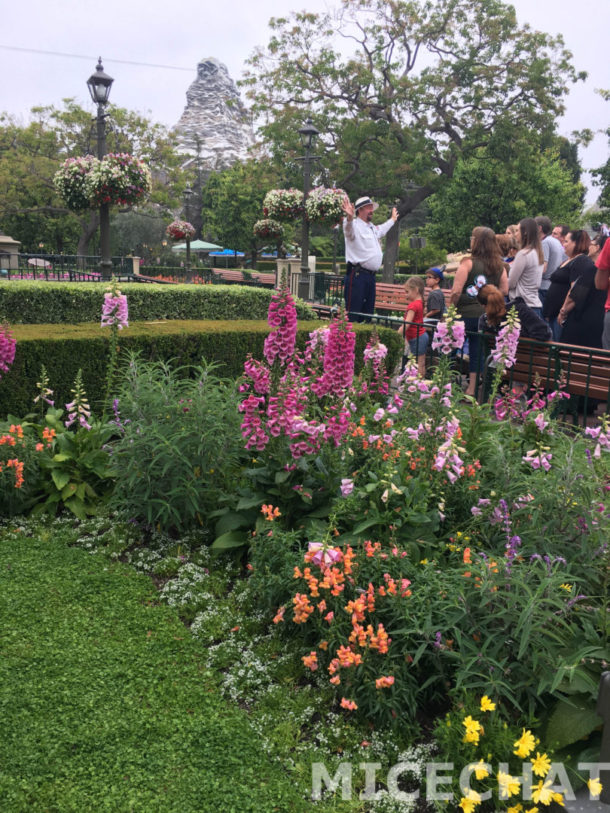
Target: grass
(108, 702)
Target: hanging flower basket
(268, 229)
(118, 178)
(70, 181)
(283, 204)
(325, 205)
(180, 230)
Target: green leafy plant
(179, 447)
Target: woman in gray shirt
(525, 271)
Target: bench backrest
(585, 371)
(390, 296)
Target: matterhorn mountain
(214, 130)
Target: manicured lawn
(106, 703)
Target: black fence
(64, 268)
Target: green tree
(30, 209)
(491, 190)
(233, 202)
(601, 175)
(403, 90)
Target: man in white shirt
(363, 255)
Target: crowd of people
(555, 277)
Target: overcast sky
(155, 32)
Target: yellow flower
(541, 765)
(524, 745)
(532, 810)
(515, 808)
(594, 785)
(471, 736)
(567, 587)
(507, 784)
(558, 797)
(472, 724)
(480, 769)
(487, 704)
(473, 729)
(423, 562)
(542, 793)
(468, 805)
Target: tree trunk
(88, 229)
(390, 254)
(405, 206)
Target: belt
(358, 267)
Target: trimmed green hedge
(29, 302)
(66, 348)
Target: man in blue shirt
(553, 252)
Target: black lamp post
(308, 134)
(188, 194)
(99, 85)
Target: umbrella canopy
(197, 245)
(227, 252)
(38, 261)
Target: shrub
(179, 445)
(65, 349)
(25, 302)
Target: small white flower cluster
(187, 587)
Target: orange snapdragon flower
(302, 608)
(270, 512)
(311, 660)
(384, 682)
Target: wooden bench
(390, 297)
(584, 371)
(235, 275)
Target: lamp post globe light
(99, 84)
(308, 134)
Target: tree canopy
(402, 91)
(491, 189)
(30, 209)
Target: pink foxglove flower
(79, 408)
(505, 351)
(7, 349)
(282, 316)
(537, 458)
(347, 486)
(114, 310)
(323, 556)
(450, 334)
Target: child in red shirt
(416, 334)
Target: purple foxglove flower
(7, 349)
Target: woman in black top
(582, 312)
(564, 277)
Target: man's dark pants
(359, 293)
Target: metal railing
(64, 268)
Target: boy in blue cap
(435, 306)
